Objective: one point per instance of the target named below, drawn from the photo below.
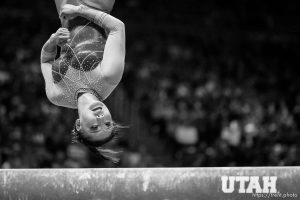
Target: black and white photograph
(149, 100)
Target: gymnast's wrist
(81, 9)
(95, 16)
(53, 40)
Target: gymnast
(88, 68)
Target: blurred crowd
(218, 87)
(219, 110)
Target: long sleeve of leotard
(112, 65)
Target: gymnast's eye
(107, 124)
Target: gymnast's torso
(78, 67)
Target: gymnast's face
(95, 122)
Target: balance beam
(150, 183)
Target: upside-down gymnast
(89, 67)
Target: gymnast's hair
(98, 148)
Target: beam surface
(149, 183)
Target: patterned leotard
(79, 65)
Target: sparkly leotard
(78, 67)
(92, 60)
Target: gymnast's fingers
(63, 31)
(63, 40)
(64, 37)
(63, 34)
(62, 43)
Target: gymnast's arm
(60, 37)
(112, 65)
(48, 53)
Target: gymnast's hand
(61, 37)
(69, 11)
